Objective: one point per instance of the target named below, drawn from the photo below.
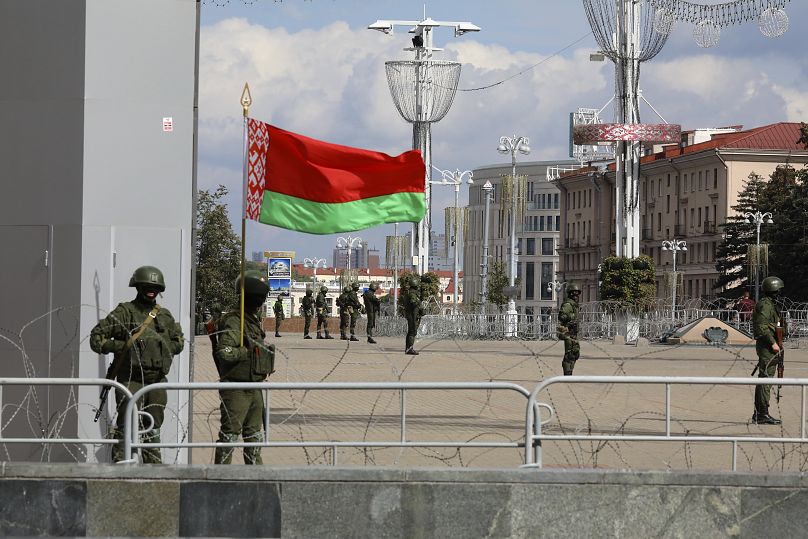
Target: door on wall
(25, 335)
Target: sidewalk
(500, 415)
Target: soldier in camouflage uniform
(307, 305)
(322, 313)
(765, 319)
(277, 308)
(413, 310)
(344, 313)
(250, 360)
(356, 308)
(568, 328)
(372, 307)
(144, 338)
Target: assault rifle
(779, 335)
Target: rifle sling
(117, 361)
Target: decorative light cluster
(709, 19)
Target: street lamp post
(348, 243)
(456, 179)
(512, 145)
(314, 263)
(674, 246)
(758, 219)
(557, 287)
(488, 190)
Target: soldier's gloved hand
(111, 346)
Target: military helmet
(324, 289)
(148, 275)
(346, 289)
(308, 292)
(415, 280)
(374, 286)
(255, 283)
(573, 287)
(772, 284)
(355, 286)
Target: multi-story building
(441, 255)
(537, 234)
(686, 192)
(359, 256)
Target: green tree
(738, 234)
(788, 236)
(495, 288)
(631, 282)
(218, 253)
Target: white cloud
(330, 83)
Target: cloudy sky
(315, 69)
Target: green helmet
(324, 289)
(308, 292)
(346, 289)
(148, 275)
(373, 286)
(415, 280)
(255, 283)
(773, 284)
(573, 287)
(355, 286)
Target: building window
(558, 222)
(668, 204)
(715, 178)
(555, 201)
(684, 184)
(541, 222)
(546, 277)
(547, 246)
(529, 281)
(659, 222)
(699, 180)
(669, 180)
(531, 247)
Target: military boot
(762, 417)
(342, 337)
(319, 336)
(353, 338)
(371, 341)
(411, 352)
(307, 336)
(328, 335)
(278, 334)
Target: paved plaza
(480, 415)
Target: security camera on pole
(434, 84)
(455, 223)
(512, 145)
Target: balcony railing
(709, 227)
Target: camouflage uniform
(145, 361)
(356, 308)
(322, 313)
(344, 312)
(277, 308)
(765, 319)
(308, 311)
(568, 329)
(372, 308)
(413, 310)
(242, 409)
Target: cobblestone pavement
(373, 415)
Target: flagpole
(246, 101)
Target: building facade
(686, 193)
(537, 234)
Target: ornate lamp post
(314, 263)
(348, 243)
(758, 219)
(456, 179)
(557, 287)
(674, 246)
(488, 191)
(512, 145)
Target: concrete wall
(239, 501)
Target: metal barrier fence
(132, 441)
(534, 435)
(596, 321)
(101, 382)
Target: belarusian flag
(307, 185)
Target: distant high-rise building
(257, 256)
(359, 256)
(441, 255)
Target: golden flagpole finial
(246, 99)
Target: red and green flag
(303, 184)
